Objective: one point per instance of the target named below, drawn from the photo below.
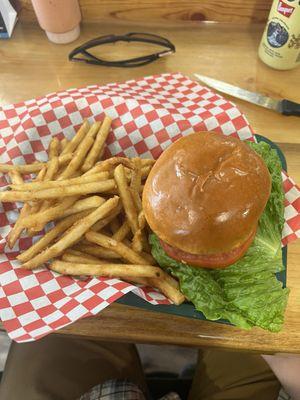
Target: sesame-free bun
(205, 194)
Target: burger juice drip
(280, 43)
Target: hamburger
(203, 199)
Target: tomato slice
(211, 261)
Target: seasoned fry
(145, 171)
(63, 144)
(147, 161)
(137, 242)
(108, 270)
(73, 144)
(73, 234)
(105, 221)
(84, 204)
(49, 237)
(126, 198)
(169, 290)
(110, 164)
(15, 177)
(148, 257)
(52, 169)
(166, 285)
(141, 220)
(120, 248)
(52, 193)
(96, 251)
(55, 184)
(31, 168)
(80, 152)
(114, 225)
(16, 231)
(50, 214)
(122, 232)
(135, 184)
(97, 149)
(75, 256)
(53, 148)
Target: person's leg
(222, 375)
(63, 368)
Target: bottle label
(277, 34)
(285, 9)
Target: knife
(285, 107)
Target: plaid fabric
(125, 390)
(114, 390)
(283, 395)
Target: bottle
(60, 19)
(280, 44)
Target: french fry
(147, 161)
(63, 144)
(50, 214)
(51, 235)
(18, 228)
(120, 248)
(84, 204)
(73, 234)
(137, 242)
(16, 177)
(80, 152)
(135, 184)
(122, 232)
(108, 270)
(75, 256)
(31, 168)
(126, 198)
(169, 290)
(53, 193)
(97, 148)
(52, 169)
(114, 225)
(145, 171)
(148, 257)
(97, 251)
(105, 221)
(53, 148)
(57, 184)
(73, 144)
(110, 164)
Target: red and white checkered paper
(147, 115)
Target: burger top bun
(205, 193)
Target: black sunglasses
(89, 58)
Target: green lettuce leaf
(247, 293)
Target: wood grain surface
(31, 66)
(148, 12)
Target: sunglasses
(82, 53)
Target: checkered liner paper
(147, 115)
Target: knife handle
(290, 108)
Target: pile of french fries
(99, 225)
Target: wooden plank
(31, 66)
(247, 11)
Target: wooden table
(31, 66)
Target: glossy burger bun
(205, 194)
